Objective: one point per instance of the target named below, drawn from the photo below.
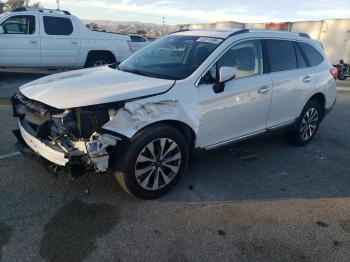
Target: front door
(20, 42)
(243, 106)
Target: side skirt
(285, 126)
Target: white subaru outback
(191, 89)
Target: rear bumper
(53, 155)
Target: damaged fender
(134, 116)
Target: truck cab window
(57, 25)
(24, 24)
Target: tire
(307, 124)
(342, 77)
(132, 160)
(99, 60)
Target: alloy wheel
(158, 164)
(309, 124)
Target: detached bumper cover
(55, 156)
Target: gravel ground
(281, 203)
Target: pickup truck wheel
(153, 162)
(307, 125)
(99, 60)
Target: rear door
(291, 80)
(60, 41)
(20, 43)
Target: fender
(134, 116)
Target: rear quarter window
(281, 55)
(57, 25)
(312, 55)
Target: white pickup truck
(46, 38)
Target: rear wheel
(99, 59)
(307, 125)
(153, 162)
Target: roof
(221, 33)
(225, 33)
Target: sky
(195, 11)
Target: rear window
(57, 25)
(137, 39)
(281, 55)
(314, 57)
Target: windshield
(173, 57)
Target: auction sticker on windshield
(212, 40)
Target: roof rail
(242, 31)
(41, 10)
(304, 35)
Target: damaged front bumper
(44, 136)
(76, 161)
(52, 154)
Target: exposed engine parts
(76, 132)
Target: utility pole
(163, 20)
(58, 4)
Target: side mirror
(2, 31)
(226, 74)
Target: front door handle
(307, 79)
(75, 42)
(264, 90)
(33, 41)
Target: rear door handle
(75, 42)
(264, 90)
(307, 79)
(33, 41)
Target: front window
(173, 57)
(19, 25)
(246, 58)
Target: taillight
(334, 72)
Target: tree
(2, 7)
(12, 4)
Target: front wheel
(307, 125)
(152, 163)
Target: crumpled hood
(92, 86)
